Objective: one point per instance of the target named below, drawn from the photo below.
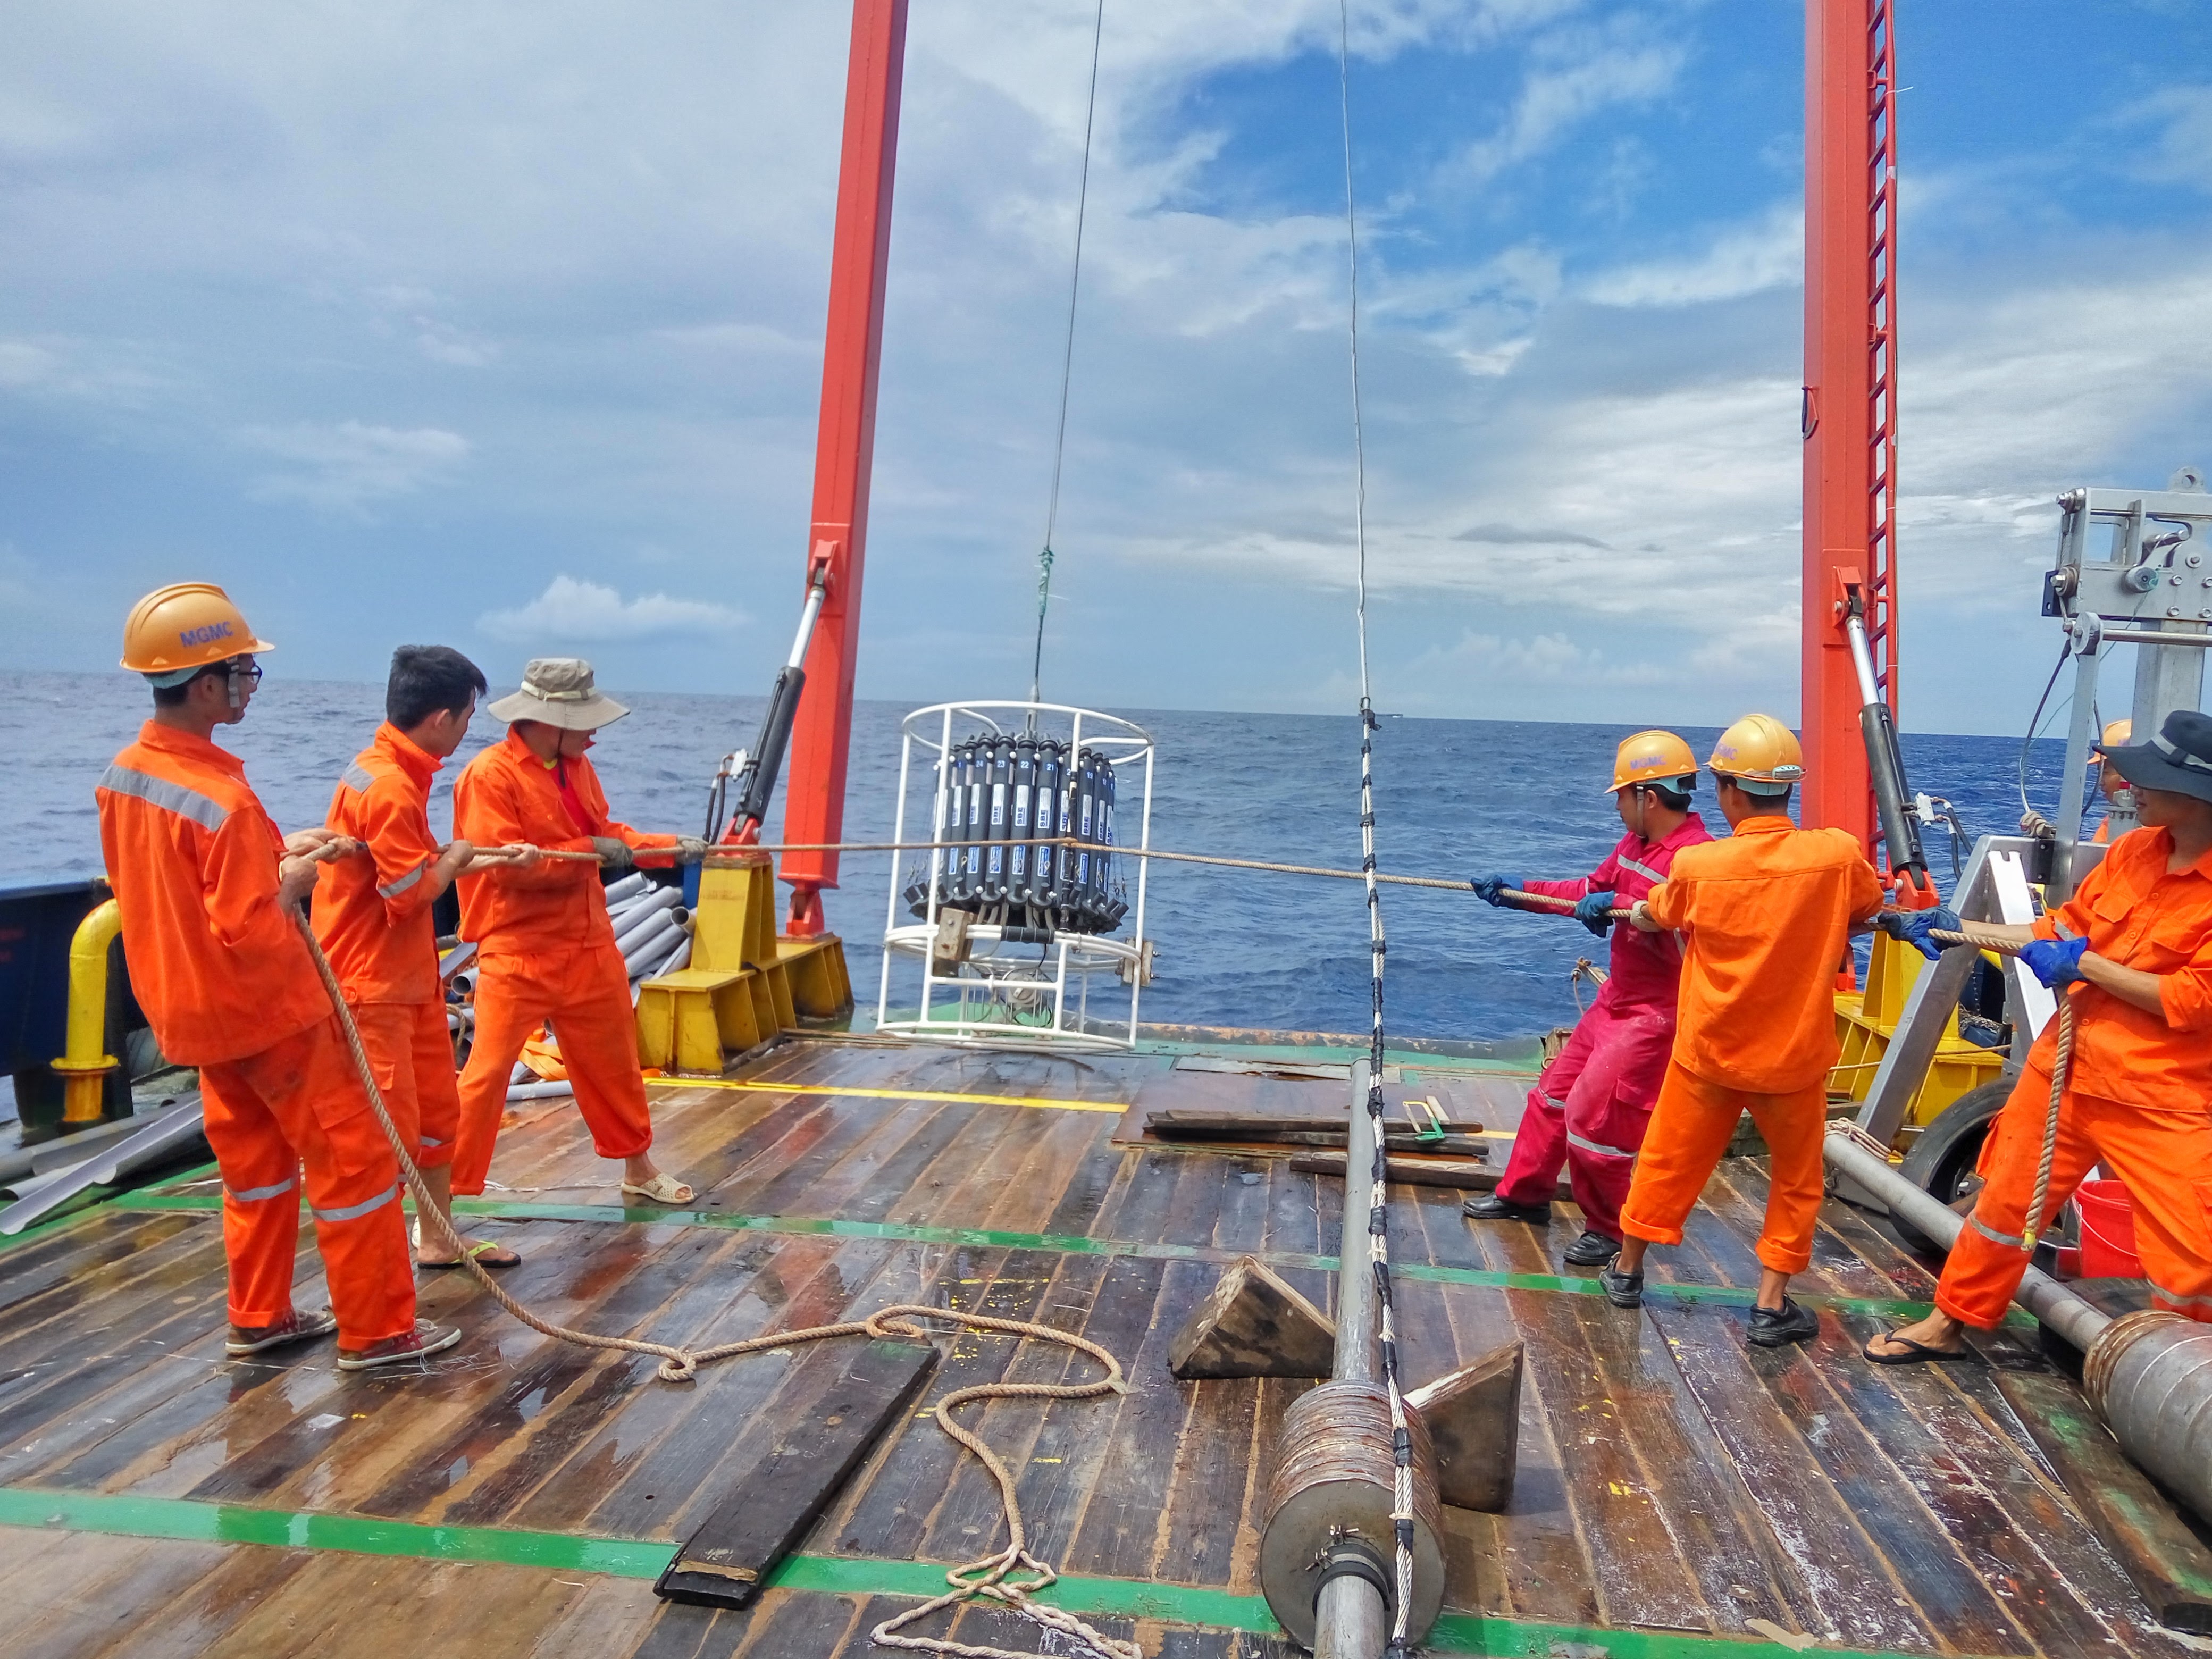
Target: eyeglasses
(250, 674)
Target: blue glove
(1490, 890)
(1594, 912)
(1913, 927)
(2055, 961)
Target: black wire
(2027, 742)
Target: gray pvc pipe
(647, 941)
(628, 887)
(2040, 1294)
(2151, 1381)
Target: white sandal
(663, 1188)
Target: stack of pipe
(652, 931)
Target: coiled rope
(2062, 1066)
(992, 1576)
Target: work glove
(1490, 890)
(2055, 961)
(690, 850)
(1594, 912)
(1912, 928)
(613, 851)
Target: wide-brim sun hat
(559, 691)
(2179, 759)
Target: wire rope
(1067, 360)
(1378, 1229)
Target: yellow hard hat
(1659, 758)
(185, 625)
(1760, 754)
(2116, 733)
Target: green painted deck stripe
(1073, 1244)
(122, 1514)
(235, 1524)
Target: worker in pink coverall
(1591, 1104)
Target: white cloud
(1579, 73)
(350, 464)
(570, 611)
(2183, 152)
(1739, 259)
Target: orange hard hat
(1659, 758)
(2116, 733)
(185, 625)
(1759, 753)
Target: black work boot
(1775, 1328)
(1489, 1206)
(1622, 1290)
(1592, 1249)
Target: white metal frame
(976, 987)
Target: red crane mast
(1850, 410)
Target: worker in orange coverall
(210, 893)
(545, 949)
(373, 917)
(1766, 919)
(1589, 1107)
(2133, 950)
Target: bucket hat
(559, 691)
(2179, 758)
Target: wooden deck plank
(199, 1618)
(1854, 1592)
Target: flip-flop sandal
(663, 1188)
(1917, 1353)
(487, 1254)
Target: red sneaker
(419, 1343)
(294, 1327)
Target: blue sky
(501, 325)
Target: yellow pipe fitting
(85, 1067)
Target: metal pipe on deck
(1352, 1620)
(2149, 1375)
(86, 1063)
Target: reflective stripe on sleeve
(1642, 870)
(1574, 1139)
(256, 1194)
(2196, 1307)
(1556, 1105)
(186, 803)
(394, 889)
(2010, 1241)
(357, 776)
(354, 1212)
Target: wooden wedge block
(725, 1562)
(1253, 1325)
(1474, 1418)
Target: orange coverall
(228, 986)
(2136, 1098)
(373, 917)
(546, 951)
(1765, 916)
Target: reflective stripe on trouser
(2162, 1155)
(297, 1108)
(410, 1049)
(1588, 1111)
(1690, 1131)
(585, 990)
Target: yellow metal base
(1867, 1019)
(745, 983)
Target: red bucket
(2108, 1230)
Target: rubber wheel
(1945, 1153)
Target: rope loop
(987, 1576)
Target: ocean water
(1452, 797)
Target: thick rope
(988, 1576)
(2062, 1066)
